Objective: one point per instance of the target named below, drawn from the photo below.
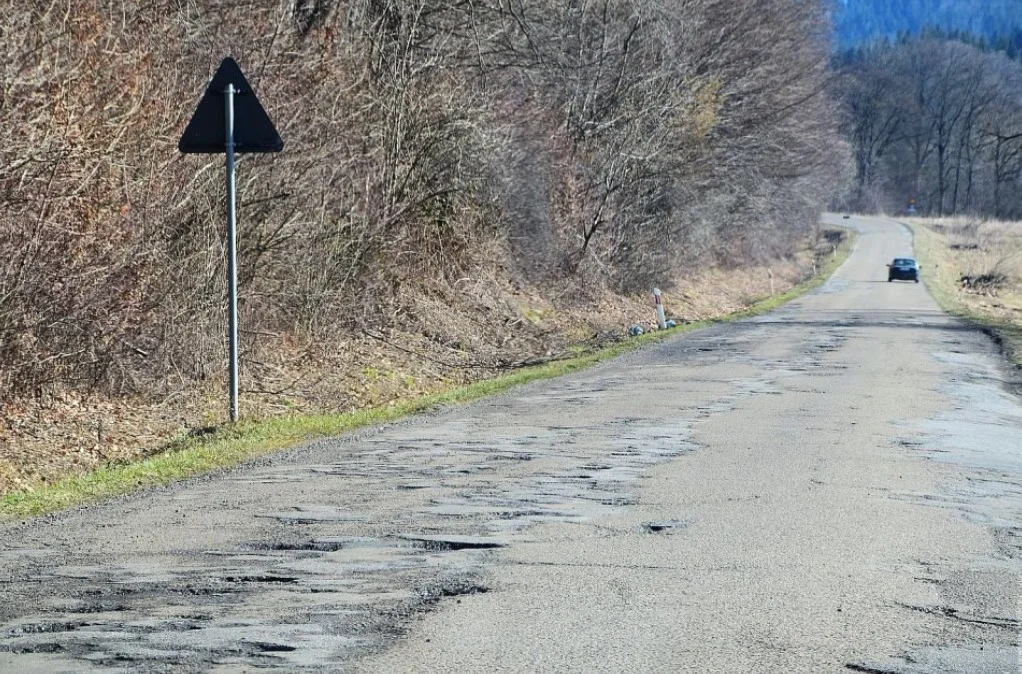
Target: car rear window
(904, 262)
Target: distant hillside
(858, 21)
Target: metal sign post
(212, 130)
(232, 250)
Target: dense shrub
(609, 142)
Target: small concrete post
(661, 319)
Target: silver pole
(232, 253)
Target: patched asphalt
(835, 486)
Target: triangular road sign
(253, 130)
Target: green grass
(229, 446)
(942, 284)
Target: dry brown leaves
(442, 335)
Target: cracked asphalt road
(835, 486)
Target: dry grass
(194, 453)
(975, 270)
(439, 339)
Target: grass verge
(229, 446)
(942, 281)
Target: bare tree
(604, 142)
(944, 114)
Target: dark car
(903, 269)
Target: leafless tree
(604, 142)
(934, 120)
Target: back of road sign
(253, 130)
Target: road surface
(833, 487)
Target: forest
(936, 126)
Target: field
(974, 269)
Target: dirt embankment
(464, 188)
(437, 338)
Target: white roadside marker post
(661, 319)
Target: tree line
(863, 21)
(602, 142)
(936, 127)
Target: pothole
(48, 647)
(462, 589)
(100, 608)
(308, 546)
(266, 647)
(43, 628)
(452, 587)
(663, 526)
(261, 579)
(323, 544)
(449, 543)
(314, 514)
(520, 456)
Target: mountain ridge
(859, 21)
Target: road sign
(253, 130)
(230, 119)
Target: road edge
(203, 452)
(1007, 337)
